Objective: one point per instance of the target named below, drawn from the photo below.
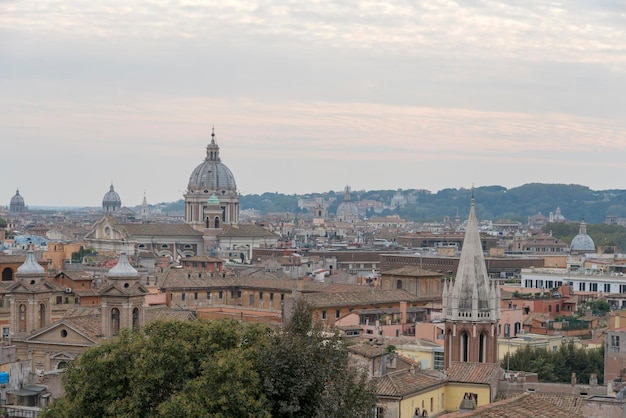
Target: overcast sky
(308, 96)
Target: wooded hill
(492, 202)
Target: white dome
(582, 243)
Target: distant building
(582, 243)
(111, 201)
(17, 204)
(347, 211)
(211, 199)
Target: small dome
(123, 268)
(111, 201)
(30, 266)
(212, 175)
(582, 243)
(17, 203)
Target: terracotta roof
(190, 279)
(160, 229)
(405, 382)
(481, 373)
(359, 298)
(204, 258)
(367, 350)
(165, 313)
(12, 258)
(536, 316)
(76, 275)
(247, 230)
(527, 405)
(90, 325)
(412, 271)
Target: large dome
(211, 198)
(111, 201)
(212, 176)
(17, 203)
(347, 211)
(582, 243)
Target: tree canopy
(558, 366)
(220, 368)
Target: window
(482, 348)
(550, 308)
(5, 332)
(59, 300)
(195, 296)
(622, 288)
(115, 321)
(282, 296)
(607, 287)
(593, 287)
(221, 294)
(22, 318)
(465, 347)
(438, 360)
(135, 317)
(271, 297)
(260, 295)
(615, 342)
(182, 296)
(582, 286)
(323, 314)
(337, 313)
(239, 294)
(42, 315)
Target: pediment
(112, 290)
(18, 287)
(106, 228)
(61, 333)
(63, 356)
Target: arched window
(7, 275)
(115, 321)
(206, 222)
(135, 317)
(42, 315)
(22, 318)
(217, 222)
(464, 347)
(482, 347)
(399, 284)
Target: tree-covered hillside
(492, 202)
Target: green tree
(307, 372)
(217, 369)
(555, 367)
(147, 371)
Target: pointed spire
(472, 294)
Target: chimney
(403, 312)
(573, 379)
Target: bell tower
(471, 305)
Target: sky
(308, 96)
